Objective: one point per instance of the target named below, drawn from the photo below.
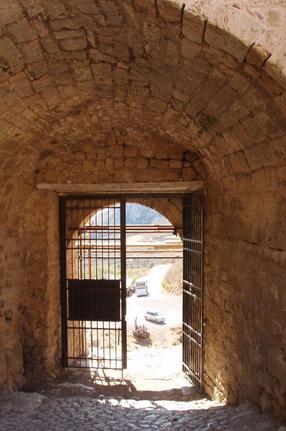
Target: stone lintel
(124, 188)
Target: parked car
(154, 316)
(141, 288)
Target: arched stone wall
(205, 77)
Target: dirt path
(169, 305)
(155, 278)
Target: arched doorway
(154, 297)
(94, 280)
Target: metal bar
(123, 280)
(129, 228)
(62, 226)
(202, 287)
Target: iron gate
(193, 289)
(93, 282)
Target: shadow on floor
(71, 382)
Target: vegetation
(173, 279)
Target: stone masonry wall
(119, 157)
(245, 292)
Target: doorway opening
(118, 256)
(154, 294)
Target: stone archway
(100, 91)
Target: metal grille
(193, 289)
(93, 282)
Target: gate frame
(122, 197)
(188, 204)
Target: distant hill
(139, 214)
(135, 214)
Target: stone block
(159, 164)
(47, 90)
(176, 164)
(253, 159)
(81, 71)
(100, 164)
(190, 49)
(120, 164)
(278, 149)
(40, 26)
(169, 10)
(79, 155)
(116, 151)
(257, 56)
(189, 174)
(77, 44)
(193, 25)
(147, 7)
(21, 85)
(131, 151)
(11, 56)
(10, 12)
(239, 163)
(69, 34)
(130, 163)
(32, 52)
(65, 24)
(221, 39)
(22, 30)
(88, 165)
(142, 163)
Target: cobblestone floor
(151, 398)
(85, 412)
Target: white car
(141, 288)
(154, 316)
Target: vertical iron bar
(123, 280)
(202, 287)
(63, 282)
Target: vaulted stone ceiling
(211, 82)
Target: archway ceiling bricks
(205, 74)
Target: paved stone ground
(58, 411)
(151, 397)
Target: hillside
(135, 214)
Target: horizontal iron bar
(192, 250)
(107, 252)
(193, 330)
(94, 367)
(189, 283)
(192, 339)
(135, 228)
(153, 257)
(98, 328)
(197, 377)
(192, 294)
